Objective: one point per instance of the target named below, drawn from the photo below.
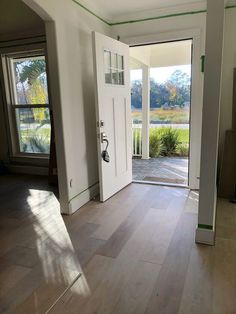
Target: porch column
(145, 111)
(210, 122)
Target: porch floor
(168, 170)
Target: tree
(31, 75)
(179, 87)
(159, 94)
(175, 92)
(136, 94)
(32, 85)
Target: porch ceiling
(161, 55)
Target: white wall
(18, 21)
(75, 124)
(229, 62)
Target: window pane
(30, 80)
(34, 130)
(107, 59)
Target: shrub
(183, 150)
(39, 144)
(137, 134)
(155, 144)
(169, 140)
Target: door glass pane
(115, 79)
(34, 130)
(107, 59)
(120, 61)
(108, 78)
(29, 80)
(121, 77)
(114, 60)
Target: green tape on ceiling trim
(159, 17)
(91, 12)
(202, 64)
(144, 19)
(91, 186)
(202, 226)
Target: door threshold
(162, 184)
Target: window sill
(26, 159)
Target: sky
(160, 75)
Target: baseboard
(43, 171)
(83, 198)
(205, 236)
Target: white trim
(42, 171)
(205, 236)
(196, 95)
(83, 198)
(145, 110)
(161, 11)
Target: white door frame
(196, 92)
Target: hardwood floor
(136, 253)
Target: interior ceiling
(17, 17)
(124, 8)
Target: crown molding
(136, 17)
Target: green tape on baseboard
(202, 226)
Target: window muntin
(113, 68)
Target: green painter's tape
(202, 64)
(202, 226)
(158, 17)
(91, 12)
(144, 19)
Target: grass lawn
(175, 116)
(183, 135)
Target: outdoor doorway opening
(161, 105)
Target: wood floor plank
(10, 275)
(136, 293)
(47, 292)
(136, 253)
(118, 239)
(79, 295)
(21, 290)
(157, 245)
(198, 289)
(116, 211)
(166, 296)
(22, 256)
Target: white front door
(113, 113)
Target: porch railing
(137, 139)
